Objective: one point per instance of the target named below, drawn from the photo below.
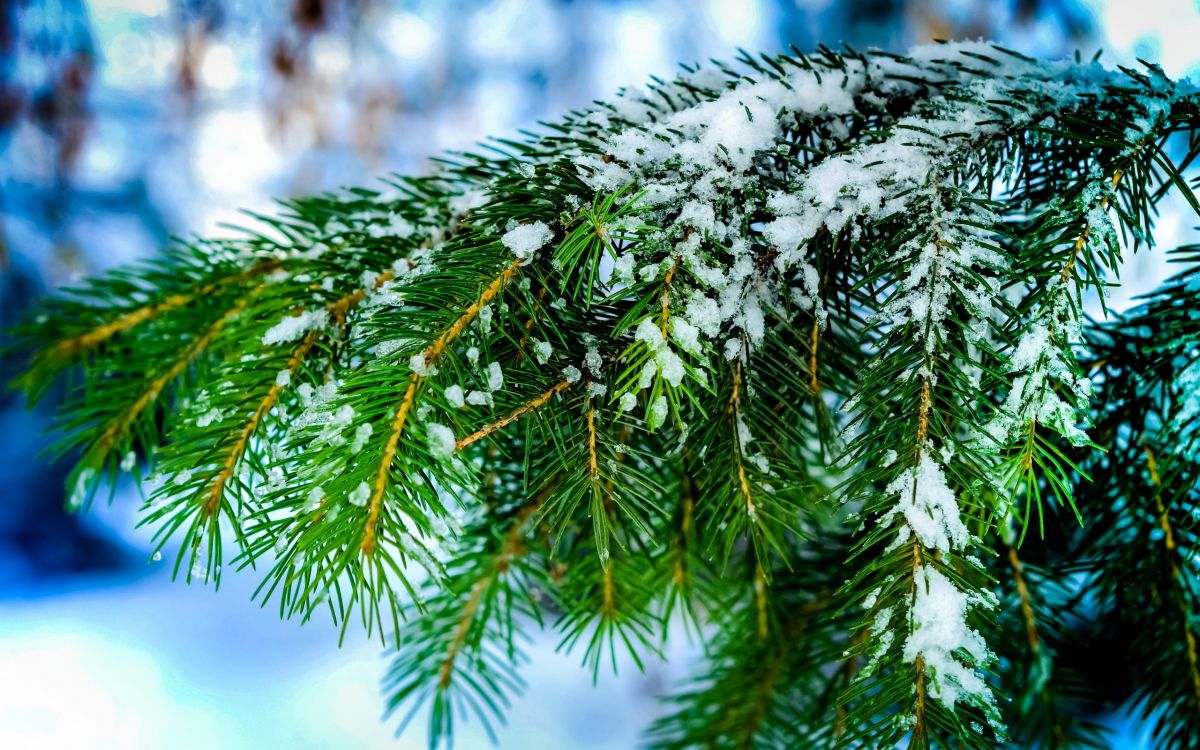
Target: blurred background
(126, 121)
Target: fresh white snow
(525, 240)
(293, 327)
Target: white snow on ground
(141, 663)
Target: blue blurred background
(126, 121)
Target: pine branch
(784, 349)
(1138, 545)
(767, 692)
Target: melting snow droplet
(441, 440)
(360, 495)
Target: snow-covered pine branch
(762, 347)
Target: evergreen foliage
(791, 351)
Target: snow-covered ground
(136, 662)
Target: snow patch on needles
(441, 440)
(361, 435)
(664, 360)
(526, 239)
(360, 495)
(928, 506)
(420, 366)
(943, 265)
(495, 377)
(687, 162)
(1039, 359)
(1183, 423)
(313, 499)
(542, 350)
(295, 326)
(455, 396)
(208, 417)
(950, 649)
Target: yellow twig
(132, 318)
(593, 460)
(1169, 543)
(119, 426)
(918, 731)
(431, 353)
(1026, 600)
(1081, 241)
(813, 381)
(439, 345)
(609, 602)
(385, 465)
(521, 411)
(685, 527)
(743, 481)
(665, 297)
(510, 549)
(216, 490)
(338, 309)
(923, 410)
(760, 600)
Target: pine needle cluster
(792, 351)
